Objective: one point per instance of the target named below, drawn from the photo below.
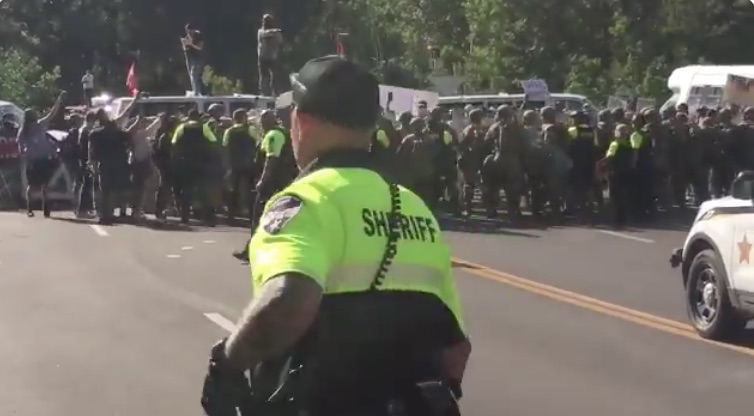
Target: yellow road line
(585, 302)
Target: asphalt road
(564, 321)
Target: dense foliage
(597, 47)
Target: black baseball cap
(337, 90)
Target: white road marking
(626, 236)
(221, 321)
(99, 230)
(185, 248)
(173, 256)
(208, 241)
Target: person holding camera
(193, 49)
(269, 41)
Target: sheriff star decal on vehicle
(744, 250)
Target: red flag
(131, 80)
(339, 48)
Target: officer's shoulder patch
(280, 211)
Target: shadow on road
(163, 225)
(674, 220)
(483, 226)
(84, 221)
(746, 339)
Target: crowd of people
(191, 155)
(630, 164)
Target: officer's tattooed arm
(278, 316)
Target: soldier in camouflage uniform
(605, 133)
(416, 157)
(722, 168)
(444, 142)
(679, 136)
(555, 141)
(536, 163)
(660, 136)
(470, 156)
(505, 166)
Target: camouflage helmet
(504, 112)
(476, 115)
(530, 117)
(548, 114)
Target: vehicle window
(449, 107)
(709, 101)
(572, 105)
(151, 108)
(743, 187)
(246, 105)
(208, 103)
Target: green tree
(219, 84)
(591, 46)
(24, 82)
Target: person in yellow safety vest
(240, 144)
(381, 141)
(386, 137)
(351, 278)
(275, 157)
(279, 164)
(619, 160)
(643, 189)
(583, 152)
(192, 147)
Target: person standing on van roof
(269, 41)
(193, 49)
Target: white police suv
(717, 263)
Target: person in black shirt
(240, 146)
(84, 180)
(161, 149)
(193, 48)
(108, 151)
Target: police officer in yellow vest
(275, 158)
(240, 143)
(380, 140)
(192, 154)
(353, 297)
(619, 160)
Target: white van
(702, 85)
(153, 105)
(571, 102)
